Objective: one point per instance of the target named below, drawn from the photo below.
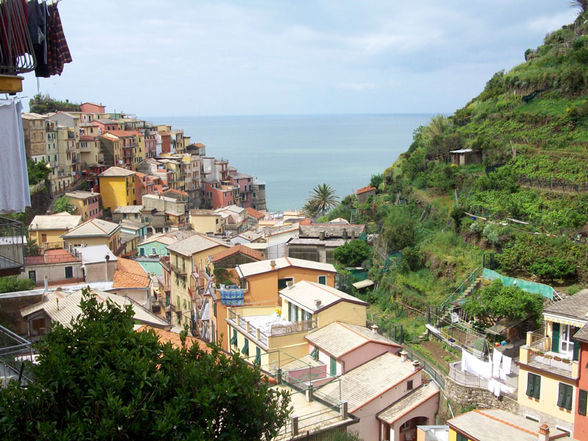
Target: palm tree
(321, 200)
(580, 4)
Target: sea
(294, 153)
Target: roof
(52, 256)
(366, 382)
(265, 266)
(131, 225)
(331, 230)
(168, 238)
(130, 274)
(62, 307)
(363, 284)
(315, 297)
(195, 244)
(128, 209)
(200, 212)
(575, 306)
(338, 338)
(254, 213)
(365, 190)
(95, 254)
(55, 222)
(494, 424)
(330, 243)
(409, 403)
(151, 267)
(461, 151)
(174, 338)
(339, 220)
(116, 171)
(93, 228)
(235, 250)
(80, 194)
(124, 133)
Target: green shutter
(245, 350)
(333, 367)
(555, 338)
(234, 338)
(533, 385)
(257, 355)
(530, 384)
(582, 402)
(315, 353)
(564, 396)
(576, 349)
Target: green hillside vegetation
(529, 126)
(46, 104)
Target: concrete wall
(55, 272)
(346, 312)
(365, 353)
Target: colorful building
(94, 232)
(117, 187)
(87, 203)
(548, 363)
(47, 230)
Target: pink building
(219, 196)
(243, 182)
(92, 108)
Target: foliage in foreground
(100, 380)
(353, 253)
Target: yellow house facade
(94, 232)
(117, 187)
(548, 362)
(207, 221)
(273, 336)
(186, 258)
(47, 230)
(87, 203)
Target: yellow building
(117, 187)
(273, 336)
(186, 258)
(87, 203)
(498, 424)
(548, 362)
(207, 222)
(139, 153)
(94, 232)
(46, 230)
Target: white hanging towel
(506, 364)
(14, 179)
(491, 385)
(496, 357)
(497, 387)
(502, 374)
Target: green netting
(532, 287)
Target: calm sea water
(292, 154)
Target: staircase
(466, 288)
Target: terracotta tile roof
(174, 339)
(365, 190)
(130, 274)
(117, 171)
(237, 249)
(305, 222)
(51, 256)
(254, 213)
(173, 190)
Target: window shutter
(555, 338)
(537, 387)
(582, 402)
(234, 338)
(245, 350)
(530, 384)
(576, 350)
(315, 353)
(257, 355)
(569, 394)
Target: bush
(12, 284)
(399, 229)
(353, 253)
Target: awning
(363, 284)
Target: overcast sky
(197, 57)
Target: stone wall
(467, 396)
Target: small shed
(465, 157)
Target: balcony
(15, 353)
(176, 269)
(12, 247)
(262, 324)
(537, 353)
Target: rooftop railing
(16, 354)
(12, 246)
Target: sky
(261, 57)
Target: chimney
(374, 329)
(273, 264)
(416, 365)
(317, 303)
(403, 355)
(289, 283)
(322, 235)
(345, 235)
(543, 433)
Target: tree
(321, 200)
(12, 284)
(497, 301)
(100, 380)
(376, 181)
(63, 204)
(399, 229)
(353, 253)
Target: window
(33, 276)
(43, 237)
(460, 437)
(322, 280)
(245, 350)
(214, 308)
(533, 385)
(257, 355)
(141, 251)
(409, 385)
(564, 397)
(234, 338)
(315, 353)
(283, 283)
(582, 402)
(68, 272)
(332, 367)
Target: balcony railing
(537, 352)
(15, 355)
(12, 247)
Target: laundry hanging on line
(14, 179)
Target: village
(186, 240)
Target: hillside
(529, 187)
